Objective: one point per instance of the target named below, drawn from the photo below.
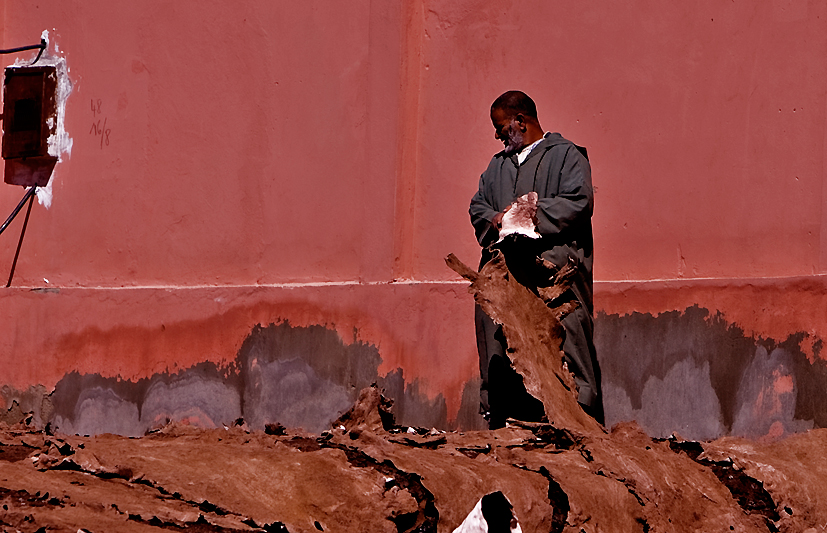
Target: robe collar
(549, 140)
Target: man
(559, 172)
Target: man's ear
(521, 123)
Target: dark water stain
(295, 376)
(88, 404)
(469, 417)
(810, 380)
(307, 376)
(412, 407)
(302, 376)
(634, 349)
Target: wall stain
(690, 372)
(296, 376)
(762, 387)
(810, 381)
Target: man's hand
(497, 221)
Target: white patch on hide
(475, 521)
(519, 218)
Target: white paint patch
(44, 194)
(60, 144)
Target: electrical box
(29, 118)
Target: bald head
(514, 117)
(515, 102)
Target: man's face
(507, 131)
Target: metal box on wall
(29, 118)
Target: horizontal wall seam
(256, 286)
(296, 285)
(710, 280)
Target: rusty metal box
(29, 118)
(28, 171)
(29, 110)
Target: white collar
(527, 150)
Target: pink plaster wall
(243, 144)
(267, 143)
(274, 142)
(705, 124)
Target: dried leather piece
(558, 480)
(535, 335)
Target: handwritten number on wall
(97, 128)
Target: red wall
(321, 143)
(273, 143)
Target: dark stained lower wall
(754, 369)
(296, 376)
(687, 372)
(690, 372)
(91, 360)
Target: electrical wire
(22, 234)
(41, 46)
(17, 209)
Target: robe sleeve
(482, 213)
(573, 202)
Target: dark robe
(559, 172)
